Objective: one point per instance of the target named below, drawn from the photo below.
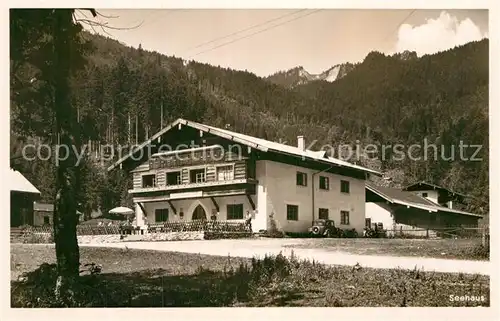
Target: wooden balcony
(194, 186)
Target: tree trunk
(65, 218)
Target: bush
(478, 252)
(303, 235)
(36, 238)
(273, 230)
(269, 281)
(349, 233)
(36, 290)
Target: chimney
(301, 143)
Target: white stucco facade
(380, 213)
(384, 213)
(278, 188)
(188, 206)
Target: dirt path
(251, 248)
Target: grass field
(465, 249)
(137, 278)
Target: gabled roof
(397, 194)
(254, 142)
(410, 199)
(423, 186)
(19, 183)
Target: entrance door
(199, 213)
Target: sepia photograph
(303, 157)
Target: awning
(122, 210)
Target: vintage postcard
(294, 157)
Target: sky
(271, 40)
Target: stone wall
(169, 236)
(226, 235)
(149, 237)
(97, 239)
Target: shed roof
(397, 196)
(19, 183)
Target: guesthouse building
(192, 171)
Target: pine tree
(48, 44)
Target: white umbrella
(122, 210)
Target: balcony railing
(191, 185)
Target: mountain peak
(299, 75)
(406, 55)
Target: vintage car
(324, 228)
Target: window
(235, 211)
(292, 212)
(323, 214)
(161, 215)
(344, 217)
(46, 220)
(200, 177)
(368, 222)
(344, 186)
(174, 178)
(301, 179)
(425, 194)
(149, 180)
(225, 173)
(324, 183)
(197, 175)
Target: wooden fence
(80, 230)
(449, 232)
(201, 226)
(191, 226)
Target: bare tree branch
(107, 17)
(104, 24)
(92, 11)
(82, 12)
